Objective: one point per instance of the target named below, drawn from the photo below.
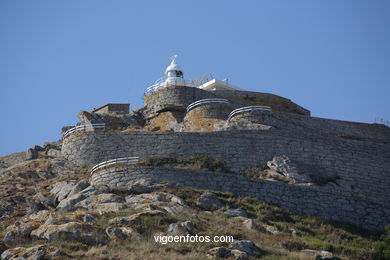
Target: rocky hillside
(49, 210)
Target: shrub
(382, 247)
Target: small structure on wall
(112, 109)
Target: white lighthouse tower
(174, 76)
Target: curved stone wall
(308, 124)
(249, 98)
(305, 200)
(212, 110)
(360, 165)
(182, 96)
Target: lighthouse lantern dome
(174, 70)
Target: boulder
(209, 201)
(53, 152)
(81, 185)
(222, 252)
(135, 219)
(11, 253)
(69, 204)
(236, 213)
(111, 120)
(284, 166)
(249, 224)
(106, 198)
(121, 232)
(104, 208)
(39, 216)
(140, 186)
(18, 231)
(178, 200)
(239, 255)
(62, 189)
(103, 203)
(157, 200)
(38, 148)
(180, 228)
(38, 252)
(47, 200)
(246, 246)
(114, 232)
(31, 154)
(319, 255)
(70, 232)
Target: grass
(195, 162)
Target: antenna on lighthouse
(173, 59)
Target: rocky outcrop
(236, 213)
(209, 201)
(240, 250)
(19, 231)
(283, 165)
(180, 228)
(111, 121)
(38, 252)
(121, 232)
(72, 231)
(69, 204)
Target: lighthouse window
(179, 73)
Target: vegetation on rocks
(195, 162)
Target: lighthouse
(174, 76)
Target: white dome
(174, 66)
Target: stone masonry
(349, 160)
(304, 200)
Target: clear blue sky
(59, 57)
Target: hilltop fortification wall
(326, 203)
(344, 129)
(184, 96)
(358, 164)
(348, 161)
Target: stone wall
(210, 110)
(360, 165)
(344, 129)
(249, 98)
(206, 118)
(305, 200)
(184, 96)
(352, 160)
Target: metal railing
(112, 162)
(248, 109)
(161, 83)
(207, 101)
(90, 127)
